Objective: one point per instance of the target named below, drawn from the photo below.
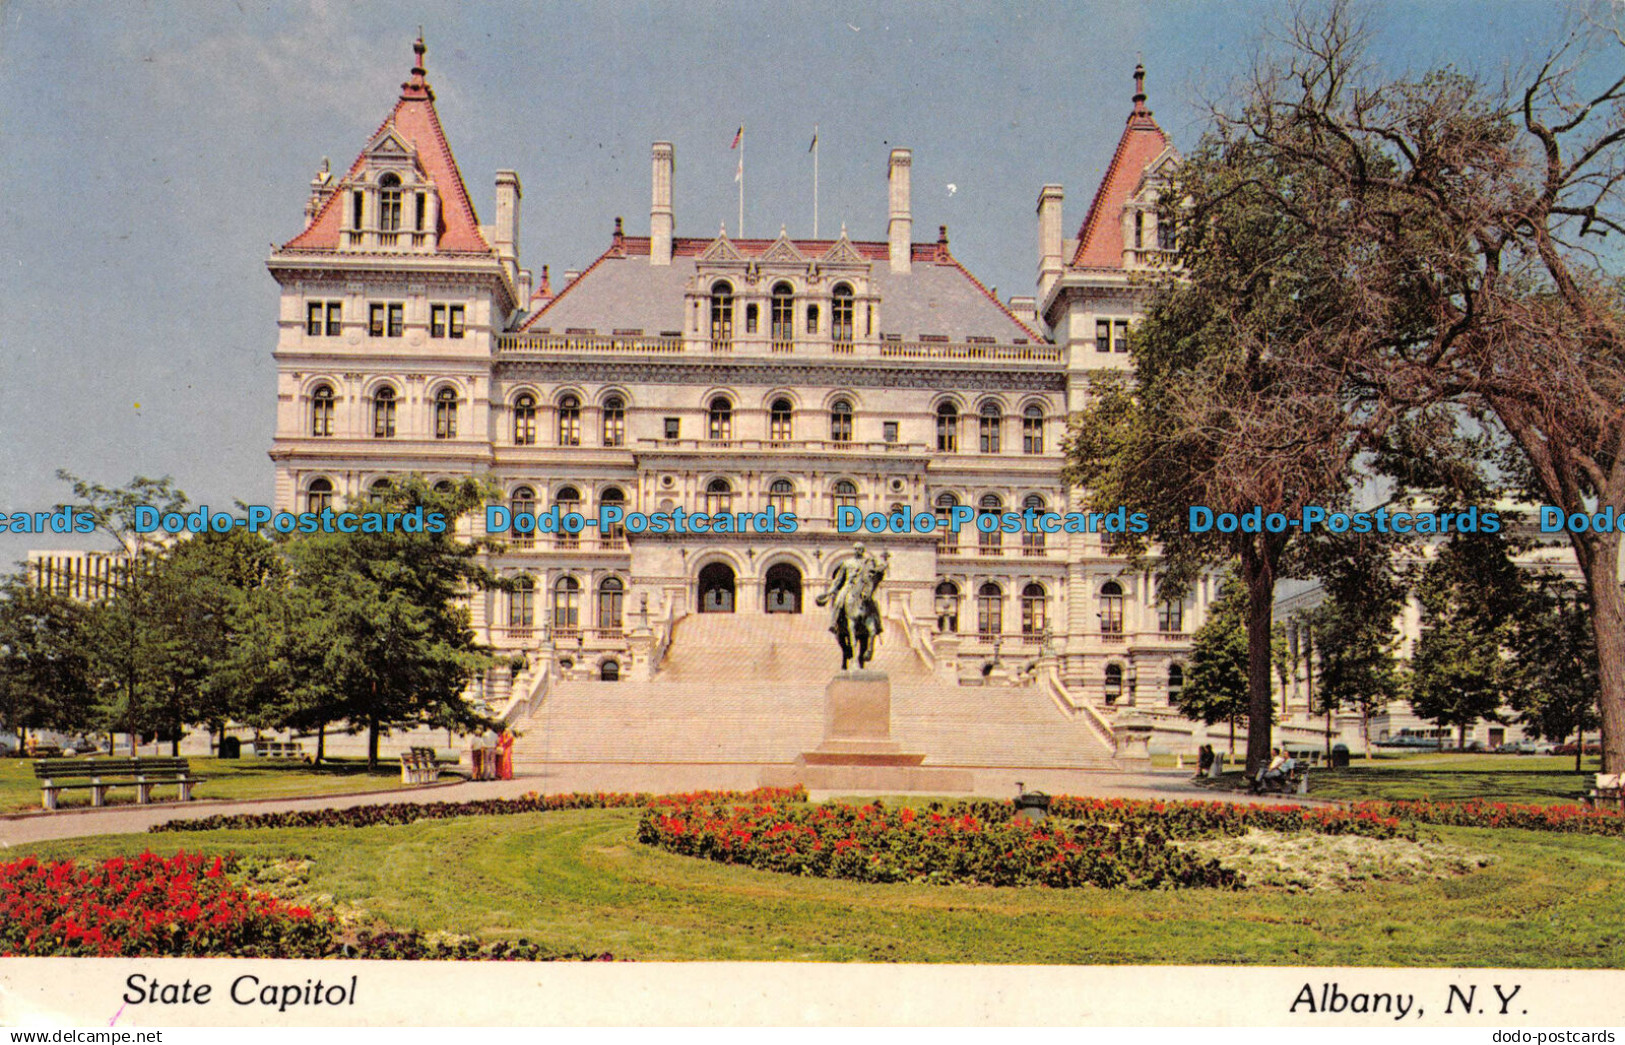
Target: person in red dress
(505, 755)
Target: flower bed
(411, 812)
(188, 905)
(1206, 819)
(1566, 819)
(184, 905)
(969, 843)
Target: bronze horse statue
(854, 616)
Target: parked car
(1429, 743)
(1529, 747)
(1592, 748)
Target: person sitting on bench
(1275, 773)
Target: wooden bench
(1296, 782)
(278, 749)
(1609, 787)
(419, 765)
(99, 775)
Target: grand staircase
(749, 689)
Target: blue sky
(151, 153)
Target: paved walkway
(558, 779)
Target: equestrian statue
(854, 618)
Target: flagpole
(741, 232)
(815, 181)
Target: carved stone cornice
(782, 374)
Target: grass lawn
(579, 880)
(1535, 779)
(227, 778)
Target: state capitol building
(721, 374)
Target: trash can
(1340, 756)
(231, 747)
(1032, 805)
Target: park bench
(1296, 782)
(419, 765)
(99, 775)
(278, 749)
(1607, 788)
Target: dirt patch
(1310, 862)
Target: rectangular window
(437, 320)
(673, 427)
(1120, 342)
(397, 319)
(355, 209)
(335, 318)
(421, 210)
(455, 327)
(889, 429)
(375, 321)
(1103, 335)
(313, 319)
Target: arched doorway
(783, 589)
(717, 588)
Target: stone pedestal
(858, 752)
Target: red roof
(1100, 239)
(415, 121)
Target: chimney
(1049, 238)
(900, 229)
(662, 221)
(505, 233)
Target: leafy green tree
(1216, 685)
(1472, 596)
(1357, 643)
(1556, 690)
(45, 680)
(382, 638)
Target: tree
(1556, 687)
(1472, 216)
(1356, 641)
(1472, 596)
(44, 663)
(381, 638)
(1216, 686)
(1229, 406)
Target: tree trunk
(1232, 736)
(321, 743)
(1608, 627)
(1259, 571)
(1461, 736)
(372, 744)
(1580, 748)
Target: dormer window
(389, 203)
(722, 313)
(783, 314)
(840, 313)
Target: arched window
(389, 203)
(1171, 616)
(383, 413)
(1111, 608)
(1176, 683)
(1032, 541)
(840, 313)
(844, 494)
(611, 594)
(840, 421)
(719, 496)
(947, 428)
(722, 315)
(1032, 430)
(319, 495)
(1033, 616)
(947, 539)
(609, 671)
(379, 490)
(1114, 683)
(781, 592)
(989, 611)
(522, 604)
(321, 411)
(523, 503)
(445, 414)
(812, 319)
(614, 421)
(783, 317)
(716, 584)
(569, 421)
(615, 533)
(781, 496)
(720, 419)
(568, 500)
(992, 421)
(778, 422)
(524, 421)
(445, 486)
(567, 607)
(947, 607)
(990, 542)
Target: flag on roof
(814, 144)
(740, 133)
